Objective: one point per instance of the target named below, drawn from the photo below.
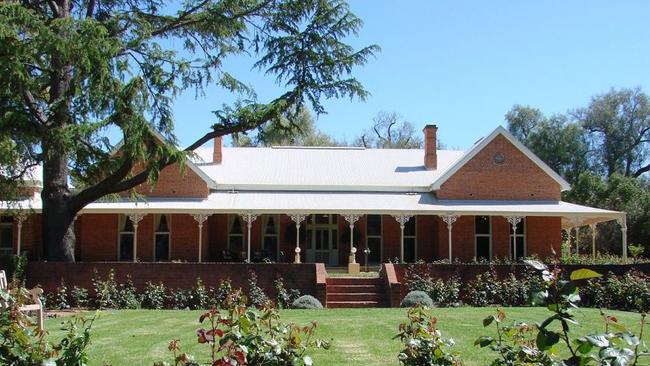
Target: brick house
(233, 204)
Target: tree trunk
(58, 217)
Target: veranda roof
(389, 203)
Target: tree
(619, 122)
(294, 130)
(388, 132)
(73, 69)
(558, 142)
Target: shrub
(223, 291)
(257, 296)
(307, 302)
(442, 292)
(416, 298)
(127, 297)
(14, 266)
(284, 297)
(423, 342)
(483, 290)
(264, 340)
(78, 297)
(153, 296)
(628, 292)
(178, 299)
(199, 297)
(106, 291)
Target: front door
(322, 244)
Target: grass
(360, 336)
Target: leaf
(546, 339)
(487, 321)
(584, 274)
(598, 340)
(484, 341)
(536, 264)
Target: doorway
(322, 239)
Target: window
(235, 234)
(520, 238)
(410, 239)
(483, 237)
(161, 238)
(374, 238)
(6, 234)
(125, 250)
(271, 236)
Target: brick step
(355, 304)
(357, 296)
(354, 288)
(353, 281)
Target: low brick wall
(303, 277)
(394, 273)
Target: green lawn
(360, 336)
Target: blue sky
(464, 64)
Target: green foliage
(224, 290)
(636, 250)
(14, 265)
(245, 336)
(628, 292)
(306, 302)
(423, 341)
(483, 290)
(416, 298)
(199, 296)
(79, 297)
(442, 293)
(285, 297)
(550, 341)
(256, 294)
(153, 296)
(60, 298)
(105, 291)
(22, 343)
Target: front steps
(355, 292)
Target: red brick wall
(543, 235)
(518, 178)
(98, 237)
(176, 183)
(174, 275)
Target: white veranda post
(514, 221)
(297, 218)
(623, 222)
(402, 220)
(135, 219)
(351, 219)
(19, 223)
(200, 219)
(249, 218)
(593, 242)
(449, 220)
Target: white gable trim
(209, 181)
(564, 185)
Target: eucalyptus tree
(72, 71)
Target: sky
(463, 64)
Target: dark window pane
(128, 225)
(310, 239)
(521, 250)
(237, 243)
(6, 237)
(520, 226)
(322, 219)
(482, 224)
(409, 250)
(6, 219)
(409, 227)
(373, 225)
(126, 247)
(270, 226)
(483, 247)
(334, 219)
(236, 228)
(335, 240)
(374, 244)
(271, 247)
(162, 225)
(162, 247)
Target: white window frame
(121, 221)
(380, 236)
(489, 236)
(231, 221)
(414, 236)
(522, 235)
(9, 225)
(156, 221)
(276, 219)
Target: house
(332, 205)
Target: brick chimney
(216, 151)
(430, 147)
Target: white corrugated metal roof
(334, 169)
